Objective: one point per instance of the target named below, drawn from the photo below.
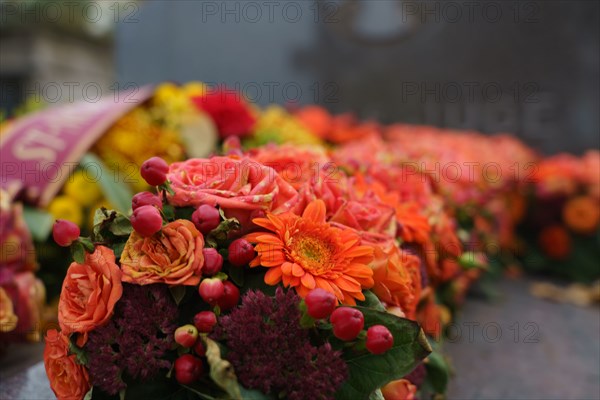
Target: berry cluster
(347, 322)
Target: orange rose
(397, 279)
(400, 389)
(582, 214)
(89, 293)
(555, 242)
(172, 256)
(68, 379)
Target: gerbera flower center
(312, 253)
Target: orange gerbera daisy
(307, 252)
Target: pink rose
(240, 186)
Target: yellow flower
(83, 187)
(194, 88)
(275, 124)
(65, 207)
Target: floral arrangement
(562, 224)
(22, 295)
(231, 281)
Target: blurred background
(527, 67)
(530, 68)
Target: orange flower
(172, 256)
(397, 279)
(555, 242)
(581, 214)
(413, 226)
(89, 293)
(68, 379)
(307, 252)
(8, 319)
(401, 389)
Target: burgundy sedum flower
(271, 352)
(132, 345)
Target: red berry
(146, 199)
(205, 321)
(199, 349)
(154, 171)
(188, 369)
(186, 335)
(230, 298)
(320, 303)
(379, 339)
(211, 289)
(206, 218)
(146, 220)
(65, 232)
(213, 261)
(347, 323)
(241, 252)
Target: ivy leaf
(120, 226)
(78, 252)
(369, 372)
(87, 244)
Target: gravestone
(527, 67)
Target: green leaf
(87, 244)
(39, 223)
(118, 249)
(437, 372)
(371, 301)
(88, 395)
(120, 226)
(369, 372)
(80, 354)
(78, 252)
(376, 395)
(168, 212)
(236, 274)
(178, 293)
(117, 193)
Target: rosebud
(213, 261)
(379, 339)
(146, 199)
(154, 171)
(211, 289)
(146, 220)
(347, 323)
(65, 232)
(206, 218)
(199, 349)
(188, 369)
(186, 335)
(230, 298)
(320, 303)
(241, 252)
(205, 321)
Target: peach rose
(172, 256)
(397, 278)
(89, 293)
(238, 185)
(367, 214)
(401, 389)
(68, 379)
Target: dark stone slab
(522, 347)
